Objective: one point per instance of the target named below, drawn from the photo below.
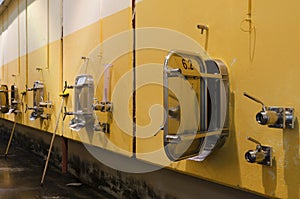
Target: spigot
(38, 69)
(66, 113)
(26, 108)
(84, 58)
(36, 112)
(99, 107)
(29, 89)
(47, 104)
(66, 86)
(36, 85)
(267, 117)
(102, 106)
(274, 117)
(45, 116)
(15, 102)
(24, 92)
(261, 155)
(103, 127)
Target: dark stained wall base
(159, 184)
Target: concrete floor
(20, 176)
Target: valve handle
(65, 87)
(253, 140)
(65, 113)
(264, 107)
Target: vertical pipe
(6, 68)
(107, 83)
(2, 29)
(62, 45)
(26, 37)
(134, 78)
(249, 8)
(250, 14)
(48, 34)
(26, 53)
(100, 24)
(64, 159)
(19, 40)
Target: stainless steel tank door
(195, 102)
(83, 102)
(4, 103)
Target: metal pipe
(249, 8)
(26, 55)
(206, 28)
(107, 83)
(64, 158)
(134, 78)
(48, 34)
(62, 49)
(19, 40)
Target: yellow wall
(271, 76)
(267, 69)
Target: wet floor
(20, 176)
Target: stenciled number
(187, 64)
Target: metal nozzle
(255, 156)
(267, 117)
(261, 155)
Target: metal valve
(37, 112)
(274, 117)
(67, 113)
(261, 155)
(66, 86)
(103, 127)
(102, 106)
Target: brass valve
(274, 117)
(261, 155)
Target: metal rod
(134, 78)
(10, 139)
(249, 8)
(52, 141)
